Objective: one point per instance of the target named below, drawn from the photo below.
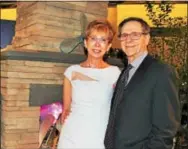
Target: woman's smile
(97, 51)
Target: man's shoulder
(158, 63)
(160, 67)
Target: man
(145, 111)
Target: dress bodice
(86, 124)
(93, 95)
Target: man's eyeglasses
(100, 40)
(133, 36)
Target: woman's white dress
(86, 124)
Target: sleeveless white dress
(85, 126)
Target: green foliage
(158, 19)
(172, 48)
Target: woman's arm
(67, 98)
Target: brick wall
(42, 26)
(20, 122)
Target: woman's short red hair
(100, 26)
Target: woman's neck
(94, 63)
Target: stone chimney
(32, 67)
(42, 26)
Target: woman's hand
(64, 115)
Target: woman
(88, 89)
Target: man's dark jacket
(148, 115)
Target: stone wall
(19, 121)
(42, 26)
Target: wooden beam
(136, 2)
(52, 57)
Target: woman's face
(97, 44)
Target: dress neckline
(95, 68)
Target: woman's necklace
(90, 65)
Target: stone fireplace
(32, 66)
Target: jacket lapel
(137, 78)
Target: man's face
(133, 41)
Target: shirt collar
(136, 63)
